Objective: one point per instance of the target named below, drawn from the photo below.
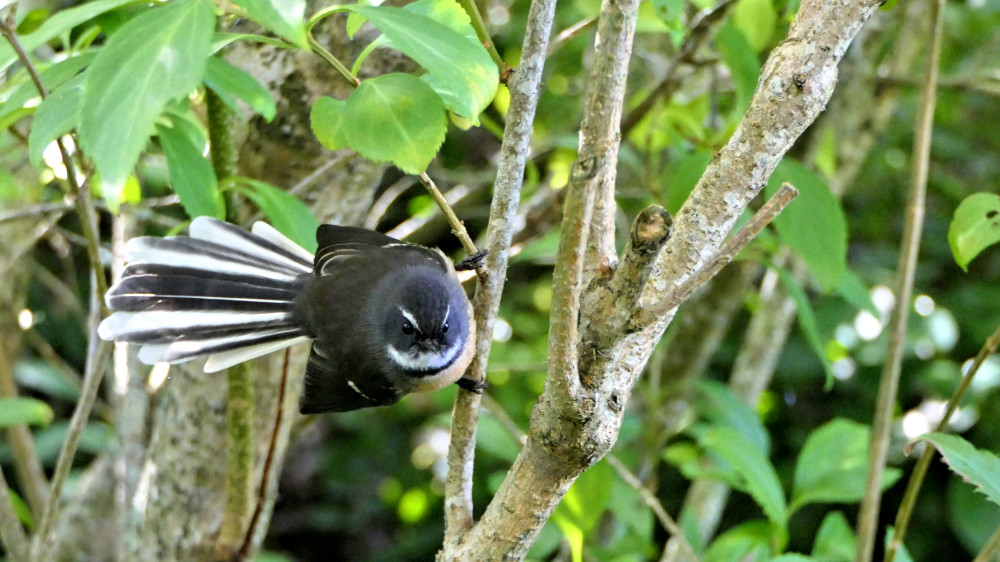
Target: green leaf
(394, 117)
(974, 227)
(689, 169)
(807, 321)
(284, 17)
(22, 510)
(971, 517)
(230, 82)
(43, 377)
(326, 120)
(191, 174)
(57, 115)
(583, 504)
(60, 23)
(285, 212)
(902, 555)
(460, 71)
(24, 411)
(127, 86)
(978, 467)
(835, 540)
(833, 465)
(813, 224)
(747, 541)
(755, 470)
(719, 405)
(756, 19)
(737, 53)
(53, 77)
(854, 291)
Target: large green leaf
(814, 224)
(719, 405)
(807, 321)
(833, 465)
(756, 19)
(191, 174)
(750, 540)
(24, 411)
(978, 467)
(756, 473)
(154, 58)
(52, 77)
(737, 53)
(460, 70)
(283, 17)
(285, 212)
(230, 82)
(394, 117)
(57, 25)
(57, 115)
(835, 540)
(583, 505)
(974, 227)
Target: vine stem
(889, 384)
(920, 469)
(476, 19)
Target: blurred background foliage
(367, 485)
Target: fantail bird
(386, 318)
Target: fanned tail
(222, 292)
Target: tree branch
(906, 271)
(525, 88)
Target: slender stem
(569, 33)
(920, 469)
(333, 61)
(12, 535)
(728, 251)
(524, 92)
(457, 226)
(889, 384)
(668, 522)
(476, 18)
(991, 550)
(97, 355)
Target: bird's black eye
(407, 327)
(444, 328)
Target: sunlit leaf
(813, 224)
(284, 17)
(979, 467)
(974, 227)
(230, 82)
(737, 53)
(719, 405)
(833, 465)
(62, 22)
(394, 117)
(24, 411)
(756, 19)
(747, 541)
(154, 58)
(583, 505)
(57, 115)
(757, 474)
(807, 321)
(191, 174)
(53, 77)
(459, 70)
(835, 540)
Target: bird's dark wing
(330, 387)
(338, 244)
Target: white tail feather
(225, 359)
(120, 325)
(206, 228)
(271, 234)
(139, 251)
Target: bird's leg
(472, 262)
(472, 386)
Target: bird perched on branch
(386, 318)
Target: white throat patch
(425, 361)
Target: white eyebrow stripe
(406, 314)
(447, 311)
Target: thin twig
(920, 469)
(654, 504)
(524, 88)
(728, 251)
(15, 542)
(97, 355)
(908, 257)
(700, 31)
(457, 226)
(569, 33)
(381, 205)
(472, 10)
(414, 223)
